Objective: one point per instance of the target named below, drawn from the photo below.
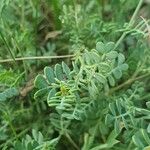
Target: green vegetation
(74, 75)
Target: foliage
(98, 99)
(35, 143)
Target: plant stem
(19, 49)
(131, 80)
(131, 22)
(8, 48)
(11, 125)
(72, 142)
(135, 12)
(145, 97)
(36, 57)
(19, 135)
(130, 145)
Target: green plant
(35, 143)
(82, 95)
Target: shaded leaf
(49, 73)
(40, 82)
(59, 72)
(100, 47)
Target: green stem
(131, 22)
(24, 64)
(90, 139)
(128, 82)
(19, 135)
(135, 12)
(11, 125)
(8, 48)
(130, 145)
(71, 141)
(145, 97)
